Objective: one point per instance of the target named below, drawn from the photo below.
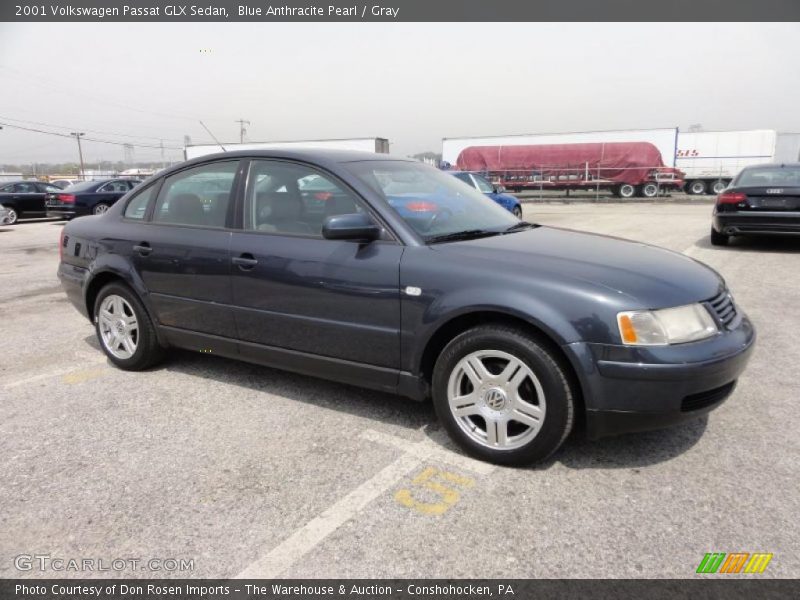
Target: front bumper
(757, 222)
(638, 388)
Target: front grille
(724, 308)
(706, 399)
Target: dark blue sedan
(87, 198)
(495, 192)
(391, 275)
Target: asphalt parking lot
(255, 472)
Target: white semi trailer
(376, 145)
(710, 159)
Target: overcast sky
(411, 83)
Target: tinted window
(199, 196)
(84, 186)
(46, 187)
(7, 189)
(293, 199)
(465, 178)
(25, 188)
(137, 207)
(483, 185)
(765, 176)
(115, 186)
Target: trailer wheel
(718, 186)
(626, 190)
(696, 187)
(649, 190)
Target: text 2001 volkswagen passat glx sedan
(389, 274)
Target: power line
(99, 141)
(141, 137)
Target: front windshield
(434, 203)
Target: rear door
(182, 253)
(28, 197)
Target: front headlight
(666, 326)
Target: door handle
(143, 249)
(245, 261)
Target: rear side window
(115, 186)
(137, 207)
(199, 196)
(465, 178)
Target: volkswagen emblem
(495, 399)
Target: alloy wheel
(496, 399)
(119, 328)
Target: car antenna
(212, 135)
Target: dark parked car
(87, 198)
(763, 200)
(405, 280)
(495, 192)
(24, 199)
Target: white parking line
(312, 533)
(428, 450)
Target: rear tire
(718, 186)
(100, 209)
(514, 407)
(719, 239)
(12, 217)
(649, 190)
(124, 329)
(517, 211)
(696, 187)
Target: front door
(305, 297)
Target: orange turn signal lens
(627, 330)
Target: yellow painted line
(85, 375)
(49, 374)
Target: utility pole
(78, 137)
(242, 130)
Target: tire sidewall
(145, 328)
(558, 395)
(9, 220)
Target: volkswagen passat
(389, 274)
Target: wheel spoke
(512, 367)
(128, 344)
(130, 321)
(502, 433)
(476, 371)
(491, 432)
(527, 413)
(463, 406)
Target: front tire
(719, 239)
(696, 187)
(502, 395)
(124, 329)
(626, 190)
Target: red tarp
(624, 162)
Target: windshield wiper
(520, 226)
(467, 234)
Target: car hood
(623, 271)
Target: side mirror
(357, 227)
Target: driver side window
(292, 199)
